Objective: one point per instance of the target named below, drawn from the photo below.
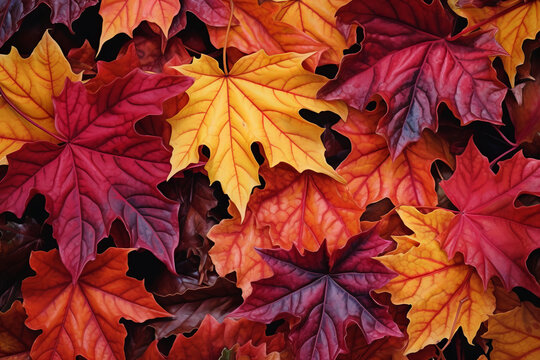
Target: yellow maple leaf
(30, 84)
(444, 293)
(258, 101)
(317, 19)
(122, 16)
(516, 21)
(515, 334)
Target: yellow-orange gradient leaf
(515, 334)
(122, 16)
(30, 84)
(258, 101)
(234, 249)
(316, 18)
(258, 29)
(516, 21)
(445, 294)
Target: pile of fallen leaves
(215, 179)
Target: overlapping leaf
(494, 235)
(316, 18)
(445, 294)
(333, 292)
(15, 338)
(104, 170)
(371, 173)
(515, 333)
(63, 11)
(409, 59)
(234, 250)
(515, 21)
(81, 317)
(122, 16)
(30, 84)
(303, 210)
(258, 30)
(258, 101)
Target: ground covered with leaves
(270, 179)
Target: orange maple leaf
(234, 249)
(123, 16)
(372, 175)
(82, 317)
(305, 209)
(515, 334)
(258, 29)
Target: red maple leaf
(409, 59)
(493, 234)
(326, 293)
(103, 170)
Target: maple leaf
(325, 293)
(305, 209)
(408, 58)
(257, 29)
(190, 308)
(444, 293)
(460, 298)
(81, 317)
(371, 173)
(515, 21)
(212, 337)
(125, 15)
(492, 234)
(515, 333)
(316, 18)
(29, 85)
(15, 338)
(211, 12)
(102, 171)
(234, 250)
(63, 11)
(258, 100)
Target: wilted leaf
(15, 338)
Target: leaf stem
(24, 116)
(225, 70)
(511, 143)
(494, 161)
(471, 28)
(454, 323)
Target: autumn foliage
(270, 179)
